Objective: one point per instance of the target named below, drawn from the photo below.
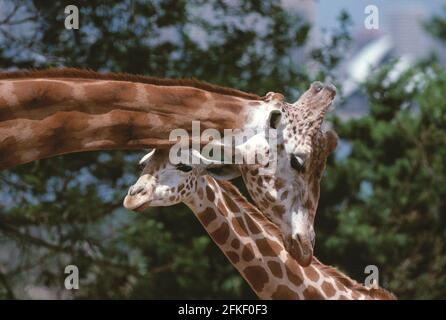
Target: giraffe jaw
(138, 206)
(142, 207)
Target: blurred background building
(401, 34)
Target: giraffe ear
(223, 172)
(147, 157)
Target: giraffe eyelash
(183, 167)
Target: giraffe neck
(44, 117)
(255, 248)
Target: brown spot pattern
(328, 289)
(284, 293)
(207, 216)
(235, 243)
(311, 293)
(340, 287)
(33, 95)
(210, 194)
(275, 268)
(252, 225)
(233, 256)
(221, 234)
(268, 248)
(239, 226)
(269, 196)
(284, 195)
(221, 208)
(278, 184)
(114, 93)
(233, 207)
(248, 253)
(279, 210)
(256, 276)
(311, 273)
(82, 75)
(293, 272)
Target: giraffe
(57, 111)
(47, 113)
(52, 112)
(250, 241)
(289, 195)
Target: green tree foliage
(437, 25)
(383, 203)
(69, 209)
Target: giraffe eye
(297, 163)
(183, 167)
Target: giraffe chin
(300, 249)
(136, 208)
(142, 207)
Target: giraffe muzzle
(137, 198)
(300, 248)
(331, 89)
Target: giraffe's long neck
(44, 117)
(254, 246)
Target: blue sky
(328, 10)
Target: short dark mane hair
(90, 74)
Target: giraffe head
(289, 194)
(163, 183)
(289, 197)
(303, 119)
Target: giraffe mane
(378, 293)
(90, 74)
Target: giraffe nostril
(331, 88)
(135, 190)
(317, 86)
